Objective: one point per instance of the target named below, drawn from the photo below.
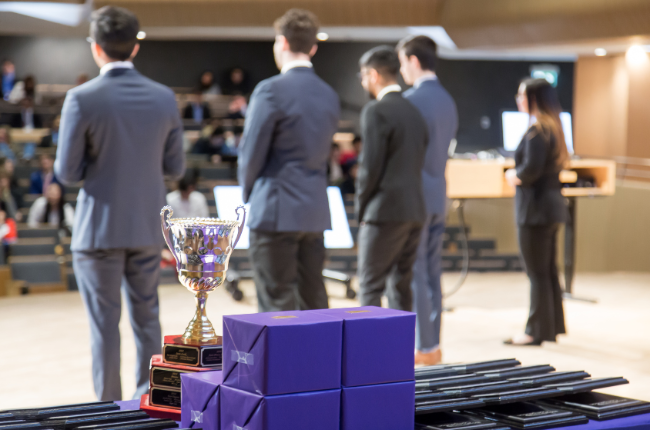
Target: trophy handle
(241, 226)
(165, 214)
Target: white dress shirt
(395, 88)
(37, 212)
(425, 78)
(196, 206)
(115, 65)
(296, 63)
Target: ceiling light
(636, 54)
(322, 36)
(600, 52)
(141, 35)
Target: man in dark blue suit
(120, 133)
(283, 171)
(418, 61)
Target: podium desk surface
(481, 179)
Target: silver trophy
(202, 248)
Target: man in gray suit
(120, 133)
(283, 171)
(418, 60)
(389, 199)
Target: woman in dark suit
(540, 208)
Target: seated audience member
(350, 176)
(212, 145)
(5, 144)
(51, 209)
(25, 89)
(334, 171)
(9, 167)
(8, 233)
(237, 108)
(26, 118)
(196, 109)
(45, 176)
(52, 139)
(232, 137)
(8, 79)
(236, 83)
(186, 201)
(81, 79)
(8, 199)
(207, 84)
(354, 153)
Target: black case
(599, 406)
(531, 416)
(514, 396)
(434, 406)
(550, 378)
(455, 421)
(516, 372)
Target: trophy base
(165, 397)
(169, 375)
(177, 350)
(157, 411)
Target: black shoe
(531, 343)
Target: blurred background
(212, 53)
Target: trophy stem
(200, 328)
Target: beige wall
(612, 106)
(613, 233)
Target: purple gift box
(378, 407)
(316, 410)
(200, 394)
(378, 345)
(282, 352)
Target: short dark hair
(190, 179)
(383, 59)
(115, 29)
(424, 49)
(300, 27)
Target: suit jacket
(188, 112)
(120, 133)
(538, 200)
(389, 181)
(36, 182)
(290, 123)
(439, 111)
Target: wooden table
(20, 135)
(485, 179)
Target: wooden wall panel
(600, 106)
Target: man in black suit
(390, 204)
(283, 171)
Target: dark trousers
(101, 275)
(288, 270)
(387, 252)
(426, 285)
(538, 249)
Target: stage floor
(45, 358)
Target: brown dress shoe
(428, 359)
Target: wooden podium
(485, 179)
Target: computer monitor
(228, 197)
(515, 125)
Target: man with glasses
(119, 133)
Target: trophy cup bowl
(202, 248)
